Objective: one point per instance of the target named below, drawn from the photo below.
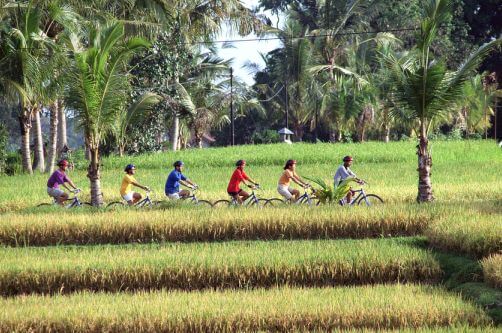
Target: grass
(282, 309)
(389, 169)
(474, 235)
(215, 265)
(188, 224)
(492, 270)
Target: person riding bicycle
(57, 178)
(287, 176)
(343, 173)
(127, 183)
(233, 188)
(175, 178)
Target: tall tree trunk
(386, 129)
(39, 142)
(424, 168)
(53, 140)
(94, 177)
(62, 139)
(121, 150)
(25, 126)
(87, 152)
(175, 133)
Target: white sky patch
(248, 51)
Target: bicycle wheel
(275, 202)
(221, 203)
(204, 203)
(45, 204)
(115, 204)
(260, 203)
(371, 200)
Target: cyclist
(287, 176)
(57, 178)
(127, 183)
(239, 176)
(175, 178)
(343, 173)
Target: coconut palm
(24, 68)
(98, 88)
(426, 88)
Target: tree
(426, 88)
(24, 68)
(99, 86)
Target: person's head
(240, 164)
(290, 164)
(178, 165)
(130, 168)
(63, 164)
(347, 161)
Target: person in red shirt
(239, 176)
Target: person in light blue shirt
(175, 178)
(343, 173)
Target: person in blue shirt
(175, 178)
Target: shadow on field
(464, 276)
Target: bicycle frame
(356, 198)
(304, 198)
(145, 201)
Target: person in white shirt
(343, 173)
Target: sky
(249, 51)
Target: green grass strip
(282, 309)
(475, 235)
(189, 224)
(215, 265)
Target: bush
(265, 136)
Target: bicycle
(192, 198)
(363, 198)
(304, 199)
(75, 202)
(146, 202)
(253, 200)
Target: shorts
(54, 192)
(173, 196)
(285, 191)
(233, 194)
(128, 196)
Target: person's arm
(146, 188)
(68, 180)
(299, 181)
(188, 183)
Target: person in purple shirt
(58, 178)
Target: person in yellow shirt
(127, 183)
(289, 174)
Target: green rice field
(399, 266)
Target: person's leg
(349, 197)
(184, 193)
(136, 197)
(243, 195)
(284, 191)
(61, 199)
(295, 193)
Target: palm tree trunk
(175, 132)
(121, 150)
(87, 153)
(25, 126)
(51, 158)
(94, 177)
(39, 143)
(62, 139)
(386, 137)
(424, 168)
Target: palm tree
(24, 69)
(99, 87)
(426, 88)
(126, 116)
(476, 106)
